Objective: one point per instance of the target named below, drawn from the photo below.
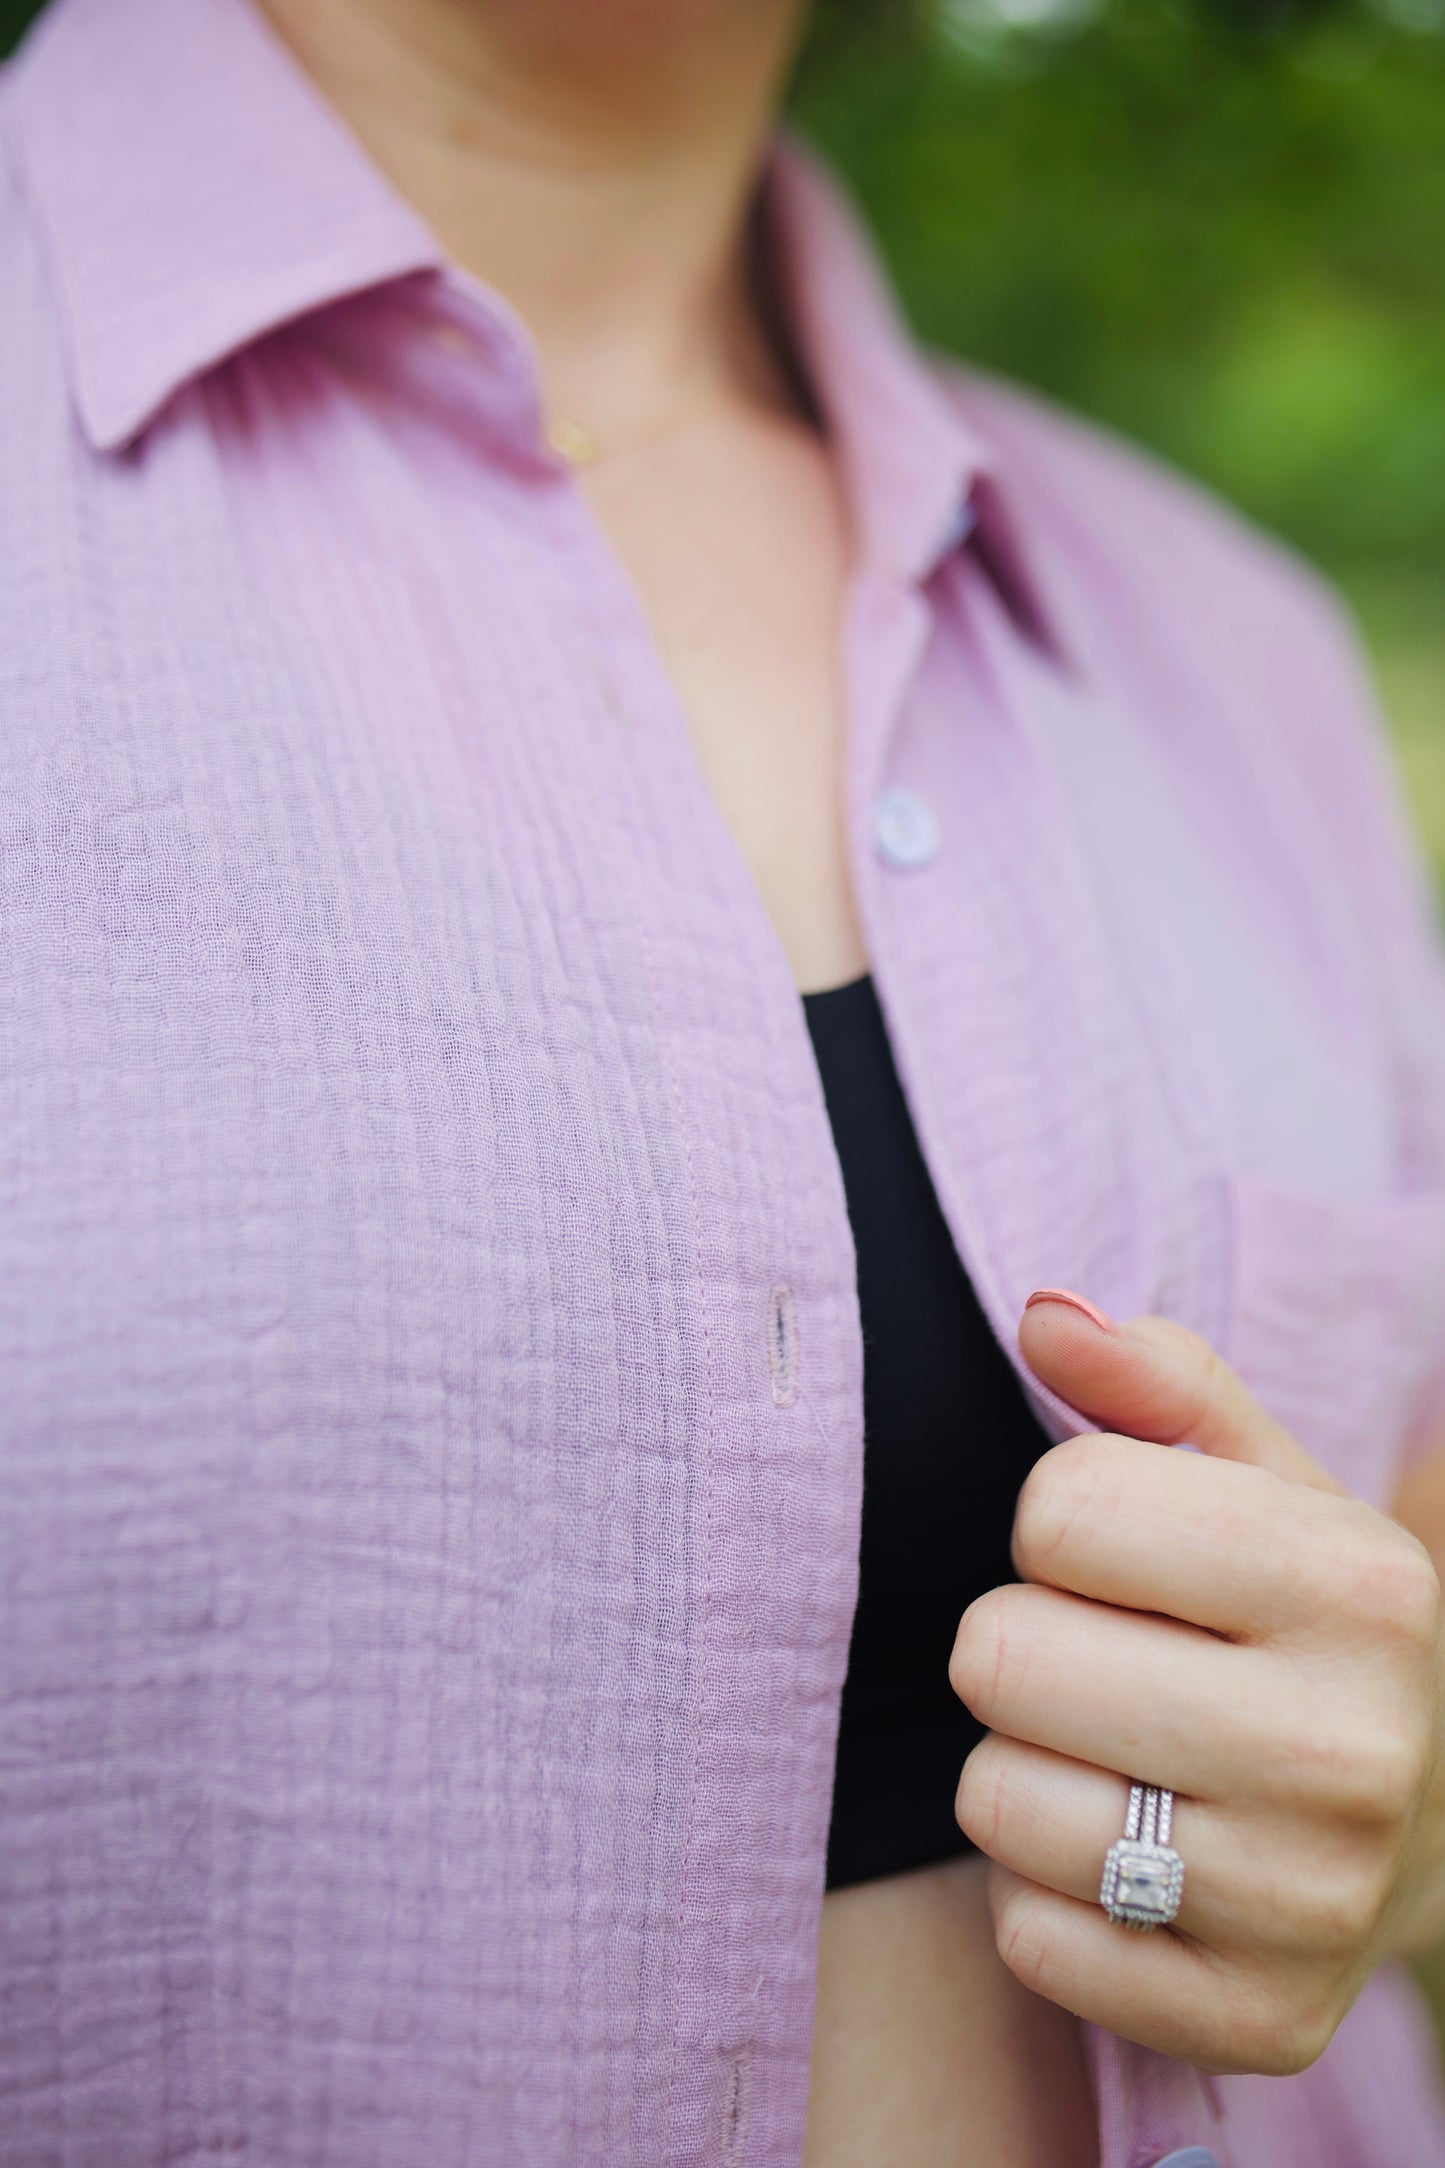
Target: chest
(433, 1414)
(735, 537)
(396, 906)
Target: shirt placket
(776, 1479)
(942, 903)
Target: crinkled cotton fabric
(430, 1452)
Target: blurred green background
(1218, 225)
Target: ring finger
(1052, 1820)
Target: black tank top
(948, 1439)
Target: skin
(593, 163)
(1224, 1621)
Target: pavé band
(1143, 1879)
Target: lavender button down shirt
(431, 1434)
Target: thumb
(1157, 1380)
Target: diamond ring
(1143, 1875)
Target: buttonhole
(735, 2105)
(783, 1346)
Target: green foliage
(1225, 243)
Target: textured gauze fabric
(431, 1434)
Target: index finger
(1155, 1379)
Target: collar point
(111, 425)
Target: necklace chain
(580, 446)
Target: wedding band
(1143, 1875)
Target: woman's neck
(591, 159)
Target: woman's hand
(1227, 1623)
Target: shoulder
(1160, 574)
(1218, 629)
(18, 252)
(34, 399)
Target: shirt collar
(195, 191)
(923, 476)
(910, 458)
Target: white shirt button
(904, 828)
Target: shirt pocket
(1337, 1318)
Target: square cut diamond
(1144, 1884)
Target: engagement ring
(1143, 1875)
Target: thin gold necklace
(582, 447)
(570, 441)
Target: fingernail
(1090, 1310)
